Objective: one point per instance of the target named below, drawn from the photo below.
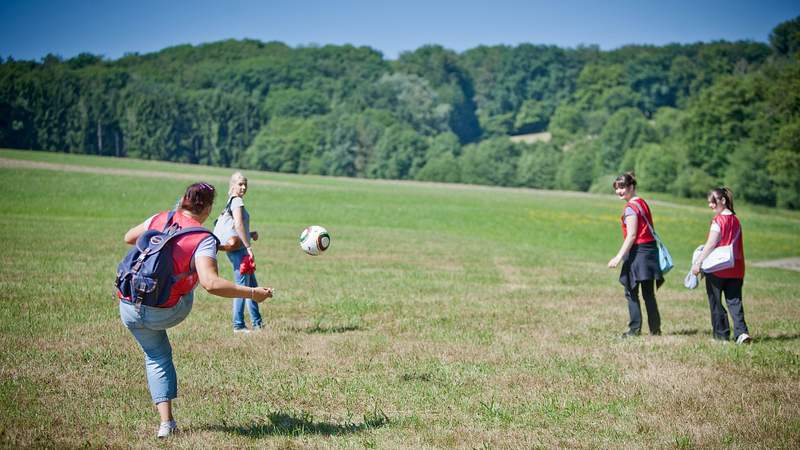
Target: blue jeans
(238, 303)
(148, 325)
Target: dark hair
(625, 180)
(722, 194)
(198, 197)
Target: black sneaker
(655, 333)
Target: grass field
(442, 316)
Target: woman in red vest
(639, 255)
(196, 255)
(725, 230)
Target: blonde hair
(235, 178)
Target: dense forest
(684, 117)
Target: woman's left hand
(695, 269)
(614, 262)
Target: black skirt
(641, 265)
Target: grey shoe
(167, 428)
(744, 338)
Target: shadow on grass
(319, 328)
(414, 376)
(690, 332)
(286, 424)
(778, 338)
(331, 329)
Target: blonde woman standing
(240, 252)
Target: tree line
(684, 117)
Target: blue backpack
(145, 274)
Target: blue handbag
(664, 258)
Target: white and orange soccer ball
(315, 240)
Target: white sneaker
(241, 330)
(167, 428)
(744, 338)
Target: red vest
(728, 226)
(182, 254)
(643, 234)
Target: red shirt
(729, 225)
(182, 254)
(643, 234)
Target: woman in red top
(639, 255)
(195, 254)
(725, 230)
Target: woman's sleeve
(237, 202)
(207, 247)
(148, 221)
(715, 228)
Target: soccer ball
(315, 240)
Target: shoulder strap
(228, 205)
(168, 222)
(738, 232)
(169, 226)
(181, 232)
(649, 226)
(641, 213)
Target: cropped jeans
(149, 327)
(238, 303)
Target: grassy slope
(441, 316)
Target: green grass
(442, 316)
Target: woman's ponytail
(625, 180)
(198, 197)
(724, 195)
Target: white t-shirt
(237, 202)
(207, 247)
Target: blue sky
(31, 29)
